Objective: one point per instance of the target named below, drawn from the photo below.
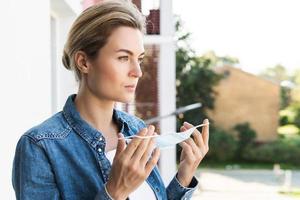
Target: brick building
(244, 97)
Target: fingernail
(151, 128)
(205, 121)
(145, 131)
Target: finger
(134, 143)
(193, 145)
(182, 128)
(142, 147)
(121, 144)
(148, 151)
(187, 151)
(197, 137)
(153, 161)
(197, 151)
(205, 132)
(188, 126)
(196, 134)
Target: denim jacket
(63, 158)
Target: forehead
(126, 38)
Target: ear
(81, 62)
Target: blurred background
(239, 59)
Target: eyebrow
(129, 52)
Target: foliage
(290, 115)
(295, 91)
(223, 146)
(285, 97)
(279, 75)
(195, 78)
(246, 136)
(288, 130)
(276, 74)
(284, 150)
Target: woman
(80, 153)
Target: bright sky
(260, 33)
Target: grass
(293, 193)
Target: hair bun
(66, 60)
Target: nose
(136, 70)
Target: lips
(130, 86)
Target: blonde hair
(91, 30)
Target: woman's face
(115, 72)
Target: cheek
(108, 74)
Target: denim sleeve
(103, 194)
(32, 176)
(176, 191)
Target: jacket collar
(85, 130)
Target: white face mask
(168, 140)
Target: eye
(140, 60)
(123, 58)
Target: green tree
(195, 77)
(279, 75)
(222, 144)
(294, 109)
(246, 136)
(276, 74)
(295, 92)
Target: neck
(97, 112)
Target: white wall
(65, 83)
(25, 82)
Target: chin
(127, 99)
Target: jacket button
(100, 139)
(157, 189)
(100, 150)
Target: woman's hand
(193, 151)
(131, 165)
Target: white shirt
(144, 191)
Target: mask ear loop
(200, 125)
(128, 138)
